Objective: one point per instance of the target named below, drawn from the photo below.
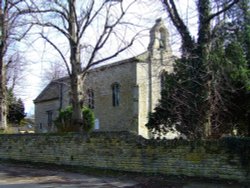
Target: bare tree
(88, 27)
(13, 27)
(15, 66)
(54, 71)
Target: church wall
(42, 108)
(41, 114)
(142, 82)
(100, 80)
(161, 62)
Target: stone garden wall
(223, 159)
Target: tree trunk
(203, 50)
(75, 100)
(3, 114)
(3, 110)
(75, 64)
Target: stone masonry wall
(100, 80)
(125, 152)
(41, 115)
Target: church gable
(51, 91)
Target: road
(18, 176)
(27, 176)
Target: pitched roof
(135, 59)
(51, 91)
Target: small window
(116, 94)
(91, 100)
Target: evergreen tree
(202, 95)
(16, 110)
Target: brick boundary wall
(126, 152)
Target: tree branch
(58, 50)
(222, 10)
(89, 65)
(89, 19)
(188, 43)
(51, 25)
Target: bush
(64, 121)
(88, 119)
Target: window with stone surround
(116, 94)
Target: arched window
(116, 94)
(91, 100)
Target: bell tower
(159, 60)
(159, 38)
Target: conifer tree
(193, 94)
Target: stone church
(121, 94)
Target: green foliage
(232, 82)
(88, 119)
(16, 110)
(210, 86)
(180, 104)
(183, 102)
(237, 64)
(64, 122)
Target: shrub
(88, 119)
(63, 122)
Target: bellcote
(159, 37)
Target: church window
(91, 100)
(116, 94)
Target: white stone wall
(142, 82)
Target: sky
(39, 55)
